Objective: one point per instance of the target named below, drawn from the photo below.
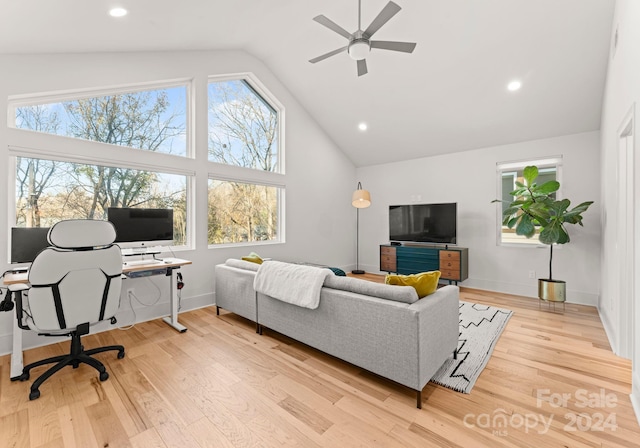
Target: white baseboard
(609, 330)
(529, 290)
(577, 297)
(124, 317)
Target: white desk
(169, 266)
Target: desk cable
(135, 317)
(131, 294)
(179, 286)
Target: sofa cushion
(405, 294)
(338, 271)
(399, 294)
(253, 258)
(241, 264)
(425, 283)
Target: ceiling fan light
(118, 12)
(514, 85)
(359, 49)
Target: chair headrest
(81, 233)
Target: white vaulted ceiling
(449, 95)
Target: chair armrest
(14, 287)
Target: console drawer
(450, 274)
(450, 264)
(388, 259)
(388, 263)
(449, 255)
(384, 250)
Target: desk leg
(16, 353)
(173, 318)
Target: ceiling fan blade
(406, 47)
(385, 15)
(323, 20)
(327, 55)
(362, 67)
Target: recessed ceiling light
(118, 12)
(362, 126)
(514, 85)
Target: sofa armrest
(234, 290)
(242, 264)
(438, 329)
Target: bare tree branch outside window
(50, 190)
(243, 131)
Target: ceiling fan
(360, 43)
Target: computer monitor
(27, 242)
(142, 227)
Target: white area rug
(480, 328)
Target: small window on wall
(508, 174)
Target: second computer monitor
(142, 227)
(27, 242)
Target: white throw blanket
(293, 283)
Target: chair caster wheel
(24, 377)
(34, 394)
(121, 355)
(104, 376)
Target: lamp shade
(361, 198)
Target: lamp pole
(360, 199)
(357, 270)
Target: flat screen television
(423, 223)
(27, 242)
(142, 227)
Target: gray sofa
(381, 328)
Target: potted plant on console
(536, 207)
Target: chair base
(76, 356)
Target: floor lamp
(360, 199)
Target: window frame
(233, 173)
(34, 144)
(513, 166)
(281, 193)
(265, 95)
(15, 152)
(40, 145)
(34, 99)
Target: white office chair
(72, 285)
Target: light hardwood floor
(222, 385)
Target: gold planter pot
(552, 290)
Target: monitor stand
(130, 252)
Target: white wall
(622, 94)
(469, 178)
(319, 227)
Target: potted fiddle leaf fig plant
(535, 207)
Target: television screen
(27, 242)
(424, 223)
(141, 224)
